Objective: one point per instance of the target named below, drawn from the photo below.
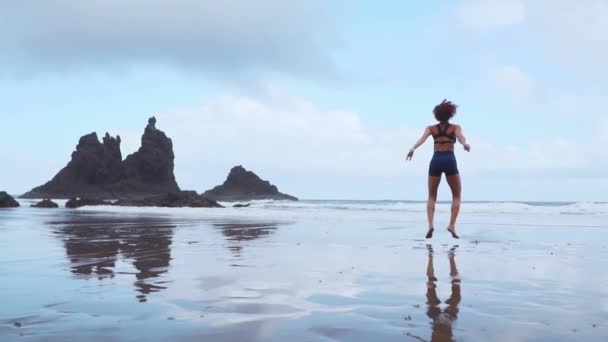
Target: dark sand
(82, 275)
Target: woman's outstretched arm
(420, 141)
(462, 139)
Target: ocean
(570, 214)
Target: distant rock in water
(46, 203)
(83, 202)
(7, 201)
(241, 205)
(97, 171)
(172, 200)
(243, 185)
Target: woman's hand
(410, 154)
(467, 147)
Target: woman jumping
(445, 135)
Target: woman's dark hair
(445, 110)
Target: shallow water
(273, 273)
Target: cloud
(306, 150)
(491, 14)
(317, 152)
(603, 129)
(513, 80)
(282, 131)
(575, 32)
(218, 37)
(553, 157)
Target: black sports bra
(443, 133)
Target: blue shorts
(443, 162)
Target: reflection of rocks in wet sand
(239, 232)
(91, 251)
(150, 250)
(93, 246)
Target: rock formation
(7, 201)
(172, 200)
(151, 167)
(83, 202)
(97, 171)
(46, 203)
(94, 166)
(243, 185)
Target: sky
(322, 98)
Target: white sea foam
(589, 208)
(504, 213)
(511, 213)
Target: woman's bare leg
(430, 204)
(455, 186)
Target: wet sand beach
(276, 273)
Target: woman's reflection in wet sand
(442, 319)
(238, 232)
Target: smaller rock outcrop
(7, 201)
(82, 202)
(241, 205)
(243, 185)
(46, 203)
(180, 199)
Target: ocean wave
(542, 208)
(287, 209)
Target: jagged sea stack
(7, 201)
(97, 171)
(94, 167)
(149, 171)
(243, 185)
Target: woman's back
(444, 135)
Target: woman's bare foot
(452, 231)
(429, 234)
